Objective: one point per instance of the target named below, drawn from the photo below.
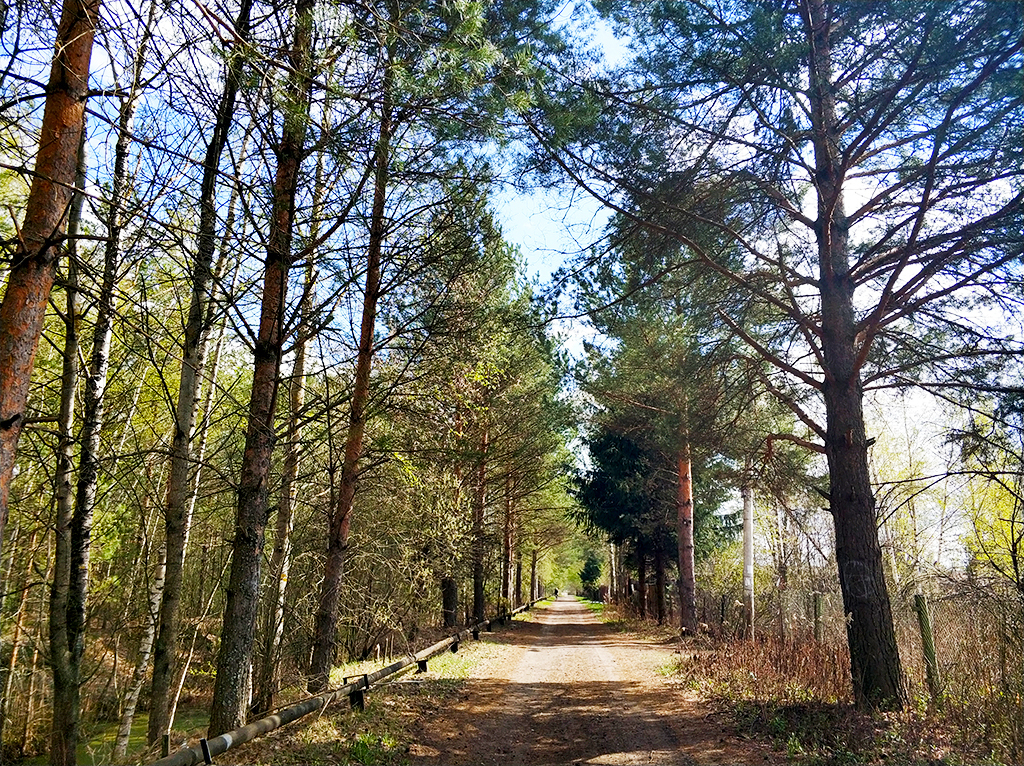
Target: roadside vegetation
(795, 693)
(381, 734)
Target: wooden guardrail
(206, 749)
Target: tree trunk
(71, 608)
(233, 682)
(479, 506)
(450, 601)
(64, 477)
(25, 300)
(280, 559)
(642, 584)
(874, 656)
(684, 532)
(326, 622)
(748, 560)
(613, 573)
(659, 584)
(534, 580)
(519, 578)
(134, 691)
(177, 516)
(506, 547)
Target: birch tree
(193, 353)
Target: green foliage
(370, 750)
(589, 576)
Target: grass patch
(597, 607)
(370, 750)
(97, 739)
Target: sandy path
(568, 689)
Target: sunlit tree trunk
(233, 682)
(30, 280)
(69, 647)
(613, 572)
(684, 531)
(534, 578)
(280, 558)
(518, 578)
(874, 656)
(506, 546)
(748, 559)
(326, 622)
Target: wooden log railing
(354, 689)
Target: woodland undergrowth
(797, 693)
(381, 734)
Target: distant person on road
(556, 592)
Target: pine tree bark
(280, 558)
(30, 281)
(874, 656)
(534, 577)
(233, 681)
(518, 578)
(613, 573)
(507, 563)
(684, 532)
(326, 622)
(179, 490)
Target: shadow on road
(545, 723)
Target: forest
(279, 388)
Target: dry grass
(798, 693)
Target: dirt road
(567, 689)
